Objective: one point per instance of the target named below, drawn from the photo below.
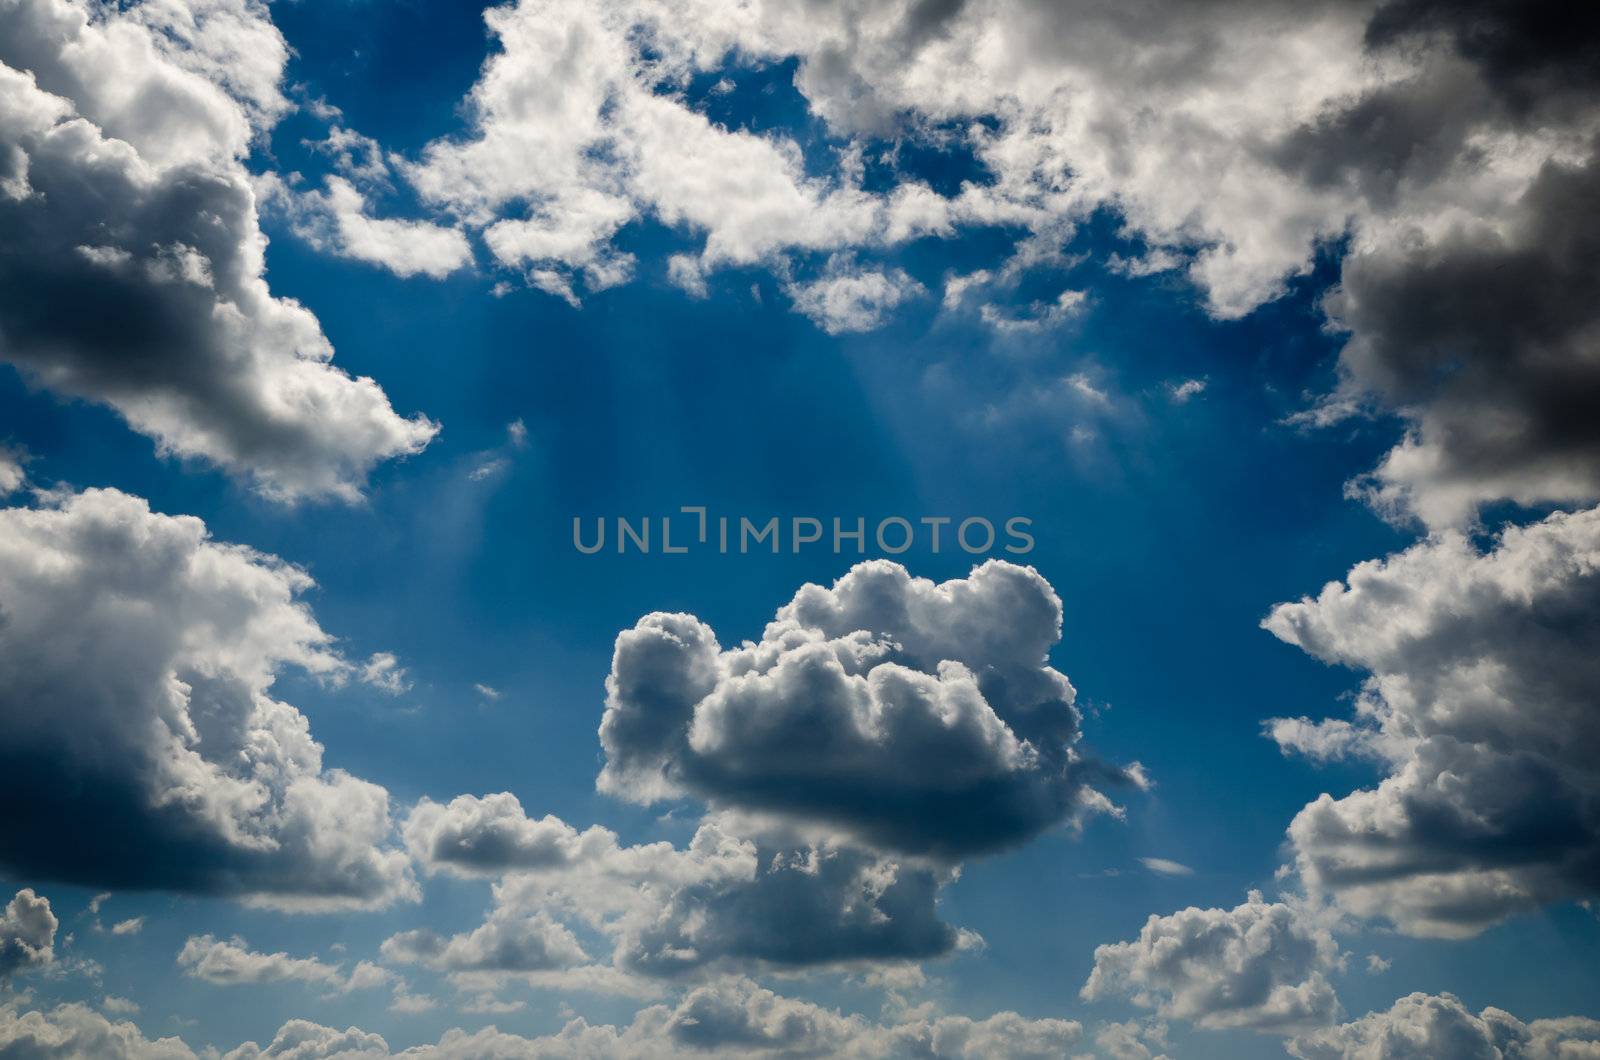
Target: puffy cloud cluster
(739, 895)
(1424, 1026)
(733, 1017)
(1261, 965)
(1484, 668)
(122, 134)
(1447, 148)
(339, 221)
(27, 934)
(911, 716)
(137, 658)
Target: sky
(1263, 336)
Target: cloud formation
(1483, 673)
(731, 1017)
(121, 138)
(230, 962)
(1424, 1026)
(137, 657)
(1262, 965)
(27, 934)
(914, 717)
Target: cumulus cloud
(230, 962)
(338, 220)
(1423, 1026)
(121, 137)
(1261, 965)
(1440, 146)
(917, 717)
(850, 298)
(384, 672)
(1483, 671)
(137, 658)
(738, 896)
(77, 1032)
(729, 1017)
(27, 934)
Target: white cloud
(122, 136)
(27, 934)
(1182, 392)
(1261, 965)
(384, 672)
(336, 220)
(488, 692)
(131, 926)
(849, 298)
(1425, 1026)
(1483, 669)
(729, 1017)
(229, 962)
(1164, 867)
(138, 660)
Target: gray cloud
(136, 662)
(27, 934)
(143, 285)
(741, 895)
(230, 962)
(1484, 668)
(1425, 1026)
(915, 717)
(1261, 965)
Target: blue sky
(1168, 521)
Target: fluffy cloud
(229, 962)
(78, 1032)
(337, 220)
(1446, 147)
(739, 896)
(27, 934)
(136, 661)
(917, 717)
(847, 298)
(1424, 1026)
(1261, 965)
(121, 135)
(1484, 668)
(732, 1017)
(492, 835)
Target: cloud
(12, 476)
(503, 943)
(738, 896)
(916, 717)
(1442, 147)
(77, 1032)
(1422, 1026)
(1484, 335)
(384, 672)
(1479, 707)
(137, 657)
(1377, 965)
(1261, 965)
(1164, 867)
(131, 926)
(729, 1017)
(230, 962)
(27, 934)
(492, 835)
(488, 692)
(337, 220)
(849, 298)
(121, 138)
(1182, 392)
